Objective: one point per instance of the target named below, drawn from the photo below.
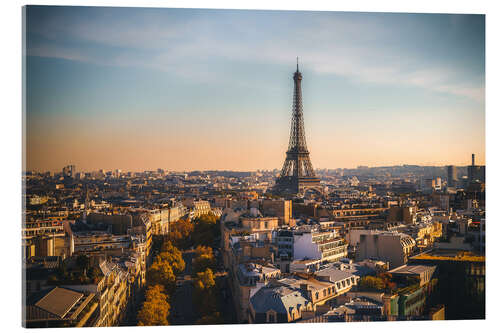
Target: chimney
(254, 212)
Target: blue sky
(185, 89)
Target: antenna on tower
(297, 64)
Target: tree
(206, 229)
(161, 273)
(156, 309)
(180, 233)
(204, 292)
(203, 258)
(201, 250)
(206, 278)
(173, 256)
(372, 283)
(387, 281)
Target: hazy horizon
(198, 89)
(246, 170)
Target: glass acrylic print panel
(196, 166)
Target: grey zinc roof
(59, 301)
(335, 274)
(279, 299)
(412, 269)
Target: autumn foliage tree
(169, 253)
(180, 233)
(386, 277)
(156, 309)
(161, 273)
(382, 281)
(203, 258)
(371, 283)
(206, 229)
(204, 293)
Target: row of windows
(339, 251)
(42, 224)
(332, 245)
(41, 232)
(100, 240)
(346, 283)
(328, 291)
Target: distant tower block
(297, 173)
(452, 178)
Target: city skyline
(141, 89)
(77, 170)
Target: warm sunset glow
(140, 89)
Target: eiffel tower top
(297, 75)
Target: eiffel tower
(297, 173)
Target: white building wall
(303, 247)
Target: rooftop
(281, 299)
(412, 269)
(59, 301)
(252, 269)
(334, 274)
(449, 255)
(306, 261)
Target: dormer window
(271, 316)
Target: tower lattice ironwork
(297, 172)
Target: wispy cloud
(358, 49)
